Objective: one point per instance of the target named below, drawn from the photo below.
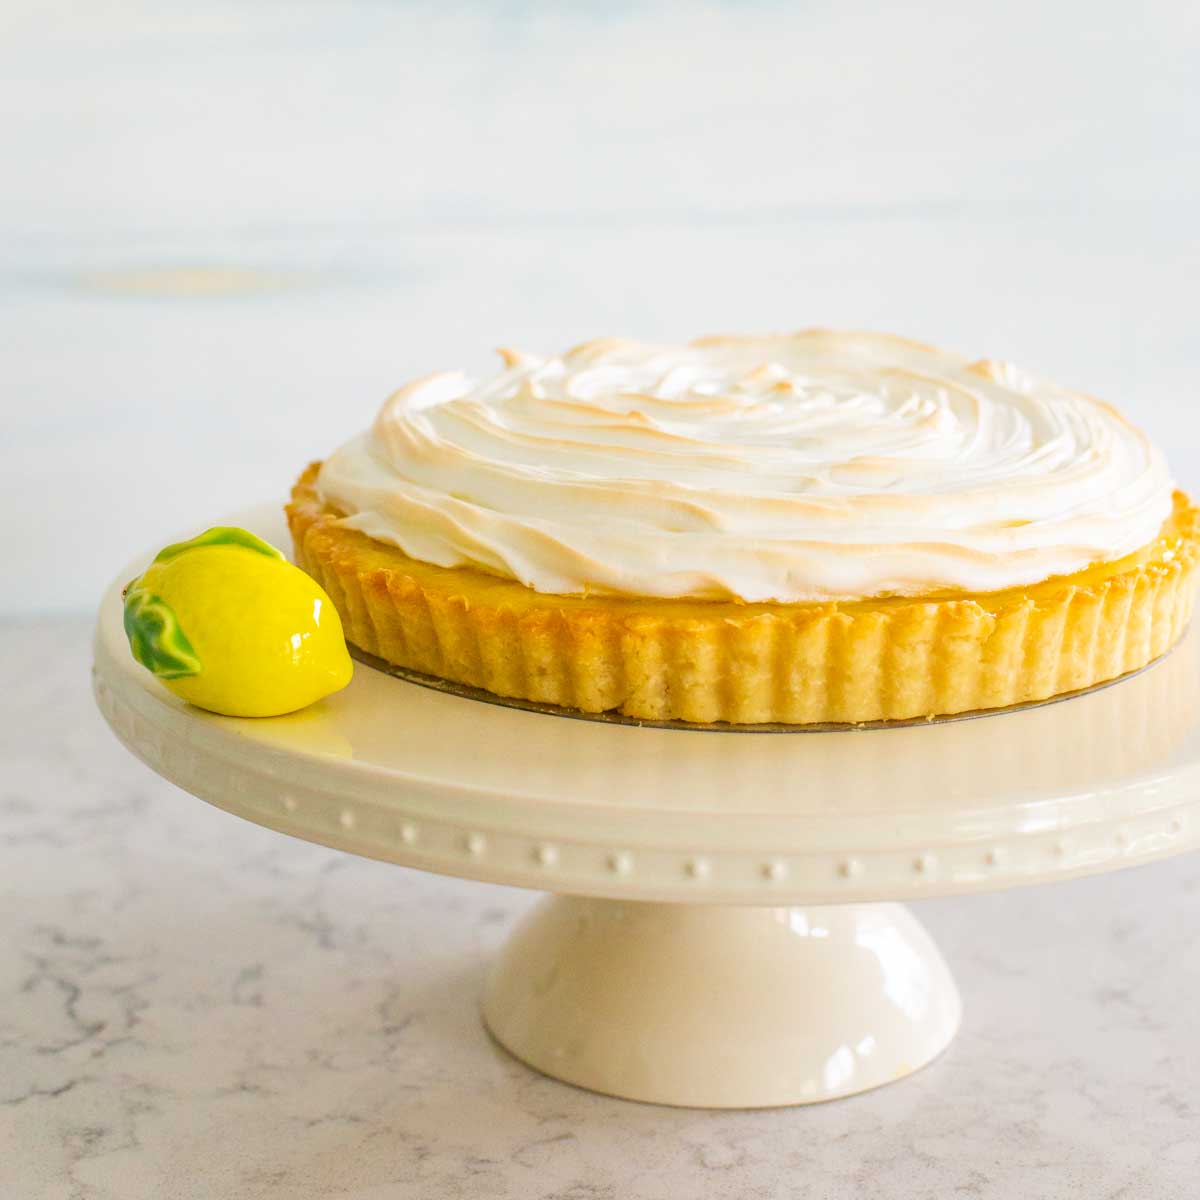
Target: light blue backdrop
(227, 230)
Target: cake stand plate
(723, 931)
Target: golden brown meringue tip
(990, 368)
(760, 374)
(513, 358)
(596, 347)
(715, 339)
(401, 398)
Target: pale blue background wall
(227, 230)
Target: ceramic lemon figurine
(228, 624)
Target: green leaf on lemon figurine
(229, 625)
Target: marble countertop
(196, 1008)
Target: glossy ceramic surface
(722, 1007)
(729, 996)
(400, 772)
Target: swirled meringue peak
(802, 467)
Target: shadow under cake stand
(723, 931)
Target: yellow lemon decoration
(228, 624)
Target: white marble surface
(196, 1008)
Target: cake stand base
(721, 1007)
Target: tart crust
(707, 661)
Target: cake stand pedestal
(719, 934)
(720, 1006)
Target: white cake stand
(718, 935)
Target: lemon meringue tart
(804, 528)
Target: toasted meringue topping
(805, 467)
